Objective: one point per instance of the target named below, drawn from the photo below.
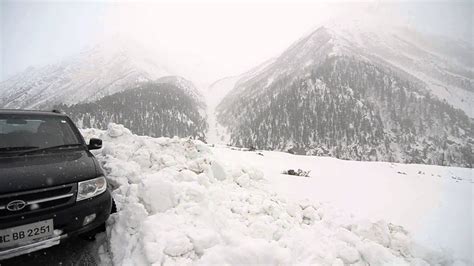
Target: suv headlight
(90, 188)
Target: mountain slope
(216, 92)
(331, 94)
(105, 69)
(187, 87)
(162, 108)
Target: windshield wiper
(51, 148)
(18, 148)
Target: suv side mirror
(94, 144)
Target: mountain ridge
(165, 107)
(303, 100)
(87, 76)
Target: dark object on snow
(299, 172)
(49, 182)
(259, 153)
(252, 148)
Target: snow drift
(178, 204)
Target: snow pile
(178, 204)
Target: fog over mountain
(104, 69)
(348, 90)
(114, 81)
(320, 132)
(362, 93)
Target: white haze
(202, 41)
(205, 42)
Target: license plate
(16, 236)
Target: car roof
(30, 112)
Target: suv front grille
(38, 200)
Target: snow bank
(178, 204)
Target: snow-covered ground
(183, 202)
(434, 203)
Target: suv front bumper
(69, 221)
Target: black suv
(51, 186)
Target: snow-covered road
(182, 202)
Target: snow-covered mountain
(352, 92)
(187, 87)
(214, 95)
(170, 106)
(115, 81)
(445, 66)
(105, 69)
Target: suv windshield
(27, 132)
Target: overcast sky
(212, 39)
